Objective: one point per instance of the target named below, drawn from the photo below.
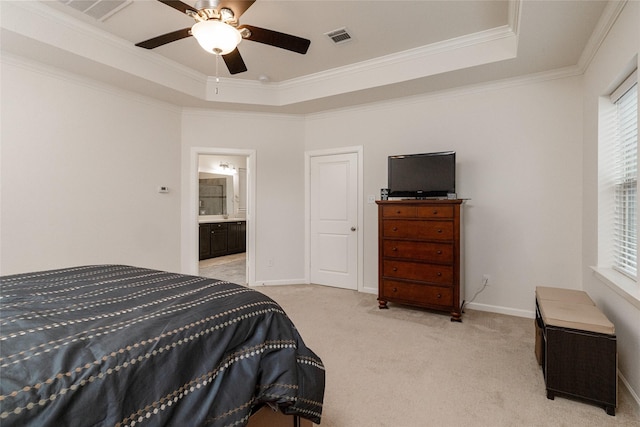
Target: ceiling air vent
(339, 36)
(97, 9)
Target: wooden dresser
(419, 256)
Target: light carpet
(405, 367)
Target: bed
(116, 345)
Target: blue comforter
(116, 345)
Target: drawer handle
(395, 289)
(394, 249)
(439, 274)
(395, 268)
(398, 211)
(439, 296)
(435, 212)
(439, 252)
(439, 230)
(395, 228)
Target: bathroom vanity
(223, 237)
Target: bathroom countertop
(214, 220)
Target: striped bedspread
(115, 345)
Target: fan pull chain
(217, 77)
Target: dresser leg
(456, 316)
(382, 304)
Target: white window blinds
(626, 188)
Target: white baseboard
(300, 282)
(501, 310)
(257, 284)
(632, 392)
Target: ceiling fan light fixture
(226, 14)
(216, 37)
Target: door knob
(353, 229)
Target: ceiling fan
(217, 31)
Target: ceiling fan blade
(165, 38)
(234, 62)
(238, 6)
(277, 39)
(178, 5)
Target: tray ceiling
(397, 48)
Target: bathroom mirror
(222, 187)
(213, 194)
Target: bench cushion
(563, 295)
(582, 317)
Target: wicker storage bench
(576, 346)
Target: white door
(333, 204)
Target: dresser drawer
(416, 293)
(435, 211)
(399, 211)
(428, 230)
(421, 251)
(433, 273)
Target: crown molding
(514, 13)
(483, 47)
(605, 23)
(471, 40)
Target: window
(625, 233)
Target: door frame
(192, 258)
(307, 208)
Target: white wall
(279, 210)
(518, 157)
(615, 58)
(80, 168)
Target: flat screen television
(427, 175)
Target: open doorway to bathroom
(222, 217)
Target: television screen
(422, 175)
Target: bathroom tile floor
(231, 268)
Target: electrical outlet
(485, 279)
(270, 262)
(371, 199)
